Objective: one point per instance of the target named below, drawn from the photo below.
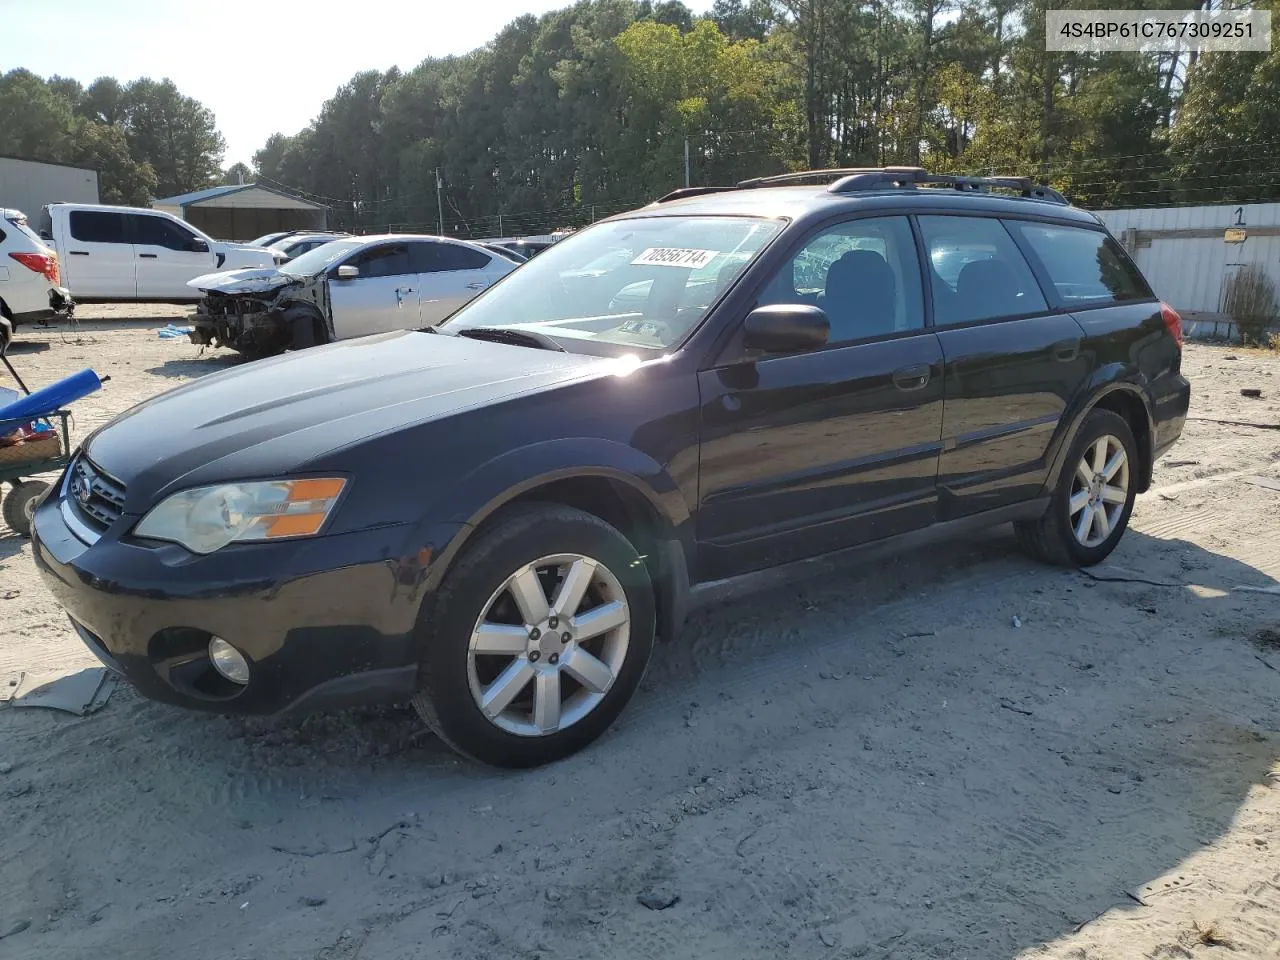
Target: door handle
(1066, 350)
(79, 253)
(915, 377)
(147, 256)
(478, 285)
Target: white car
(131, 253)
(351, 287)
(30, 280)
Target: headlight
(205, 519)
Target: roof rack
(911, 177)
(800, 175)
(856, 179)
(691, 192)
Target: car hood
(249, 280)
(271, 417)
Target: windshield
(315, 261)
(643, 282)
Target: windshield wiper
(519, 338)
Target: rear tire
(19, 505)
(503, 693)
(1091, 503)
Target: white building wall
(27, 185)
(1190, 271)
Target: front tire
(537, 638)
(1091, 504)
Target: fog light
(228, 661)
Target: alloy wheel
(548, 645)
(1099, 491)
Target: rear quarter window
(1086, 267)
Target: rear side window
(442, 257)
(1087, 267)
(98, 226)
(977, 272)
(160, 232)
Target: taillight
(41, 263)
(1173, 321)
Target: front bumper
(323, 622)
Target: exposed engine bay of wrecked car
(262, 312)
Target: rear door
(1013, 364)
(811, 452)
(451, 274)
(99, 261)
(168, 255)
(383, 297)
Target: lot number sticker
(675, 257)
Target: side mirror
(198, 246)
(348, 272)
(786, 328)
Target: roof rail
(691, 192)
(856, 179)
(799, 175)
(911, 177)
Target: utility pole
(500, 233)
(686, 161)
(439, 204)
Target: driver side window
(864, 274)
(389, 260)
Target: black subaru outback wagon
(496, 518)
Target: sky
(263, 67)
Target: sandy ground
(954, 754)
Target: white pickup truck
(131, 253)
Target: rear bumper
(323, 623)
(1170, 401)
(59, 305)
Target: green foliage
(237, 173)
(144, 139)
(587, 110)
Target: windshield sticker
(675, 257)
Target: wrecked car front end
(260, 312)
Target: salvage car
(345, 288)
(495, 518)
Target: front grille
(98, 498)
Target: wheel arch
(609, 480)
(1127, 400)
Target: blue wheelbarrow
(43, 448)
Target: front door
(382, 297)
(168, 255)
(806, 453)
(1012, 365)
(99, 260)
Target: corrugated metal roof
(196, 196)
